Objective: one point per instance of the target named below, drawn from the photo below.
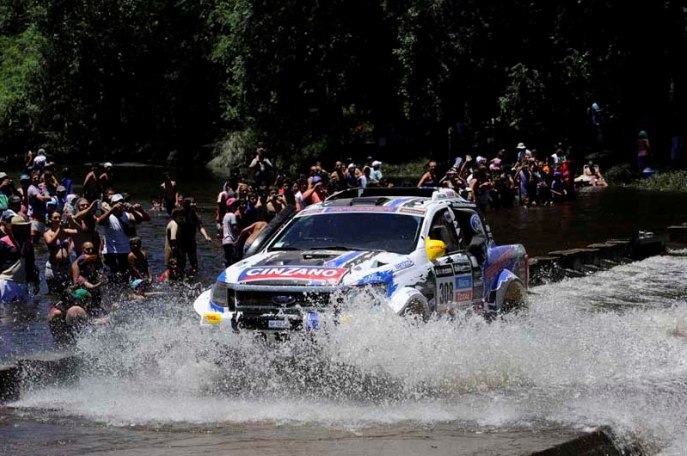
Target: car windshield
(351, 231)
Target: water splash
(608, 349)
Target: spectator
(230, 236)
(120, 224)
(17, 260)
(643, 151)
(172, 254)
(260, 166)
(430, 177)
(376, 175)
(85, 220)
(37, 199)
(168, 193)
(186, 243)
(140, 274)
(58, 239)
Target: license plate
(278, 324)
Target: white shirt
(116, 241)
(230, 230)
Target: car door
(455, 270)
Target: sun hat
(24, 177)
(8, 214)
(351, 166)
(107, 165)
(376, 163)
(3, 174)
(316, 179)
(116, 198)
(230, 201)
(521, 146)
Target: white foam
(608, 349)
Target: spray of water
(608, 349)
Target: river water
(607, 349)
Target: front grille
(280, 300)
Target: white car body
(368, 238)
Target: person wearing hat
(190, 225)
(120, 224)
(37, 200)
(523, 152)
(351, 176)
(17, 259)
(105, 177)
(376, 175)
(230, 233)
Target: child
(140, 274)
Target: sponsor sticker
(463, 282)
(443, 270)
(298, 273)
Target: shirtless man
(140, 274)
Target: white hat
(521, 146)
(376, 163)
(3, 174)
(116, 198)
(481, 159)
(351, 165)
(107, 165)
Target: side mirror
(435, 248)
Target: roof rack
(382, 191)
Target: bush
(670, 181)
(619, 174)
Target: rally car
(423, 252)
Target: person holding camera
(260, 166)
(58, 239)
(120, 224)
(275, 203)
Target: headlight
(223, 297)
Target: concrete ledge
(678, 233)
(560, 264)
(646, 246)
(597, 443)
(42, 368)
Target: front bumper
(292, 319)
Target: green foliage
(620, 174)
(20, 62)
(410, 171)
(670, 181)
(137, 78)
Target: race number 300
(445, 290)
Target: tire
(514, 299)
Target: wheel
(416, 308)
(514, 299)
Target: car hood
(316, 268)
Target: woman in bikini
(58, 238)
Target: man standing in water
(17, 260)
(168, 193)
(187, 236)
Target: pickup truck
(424, 252)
